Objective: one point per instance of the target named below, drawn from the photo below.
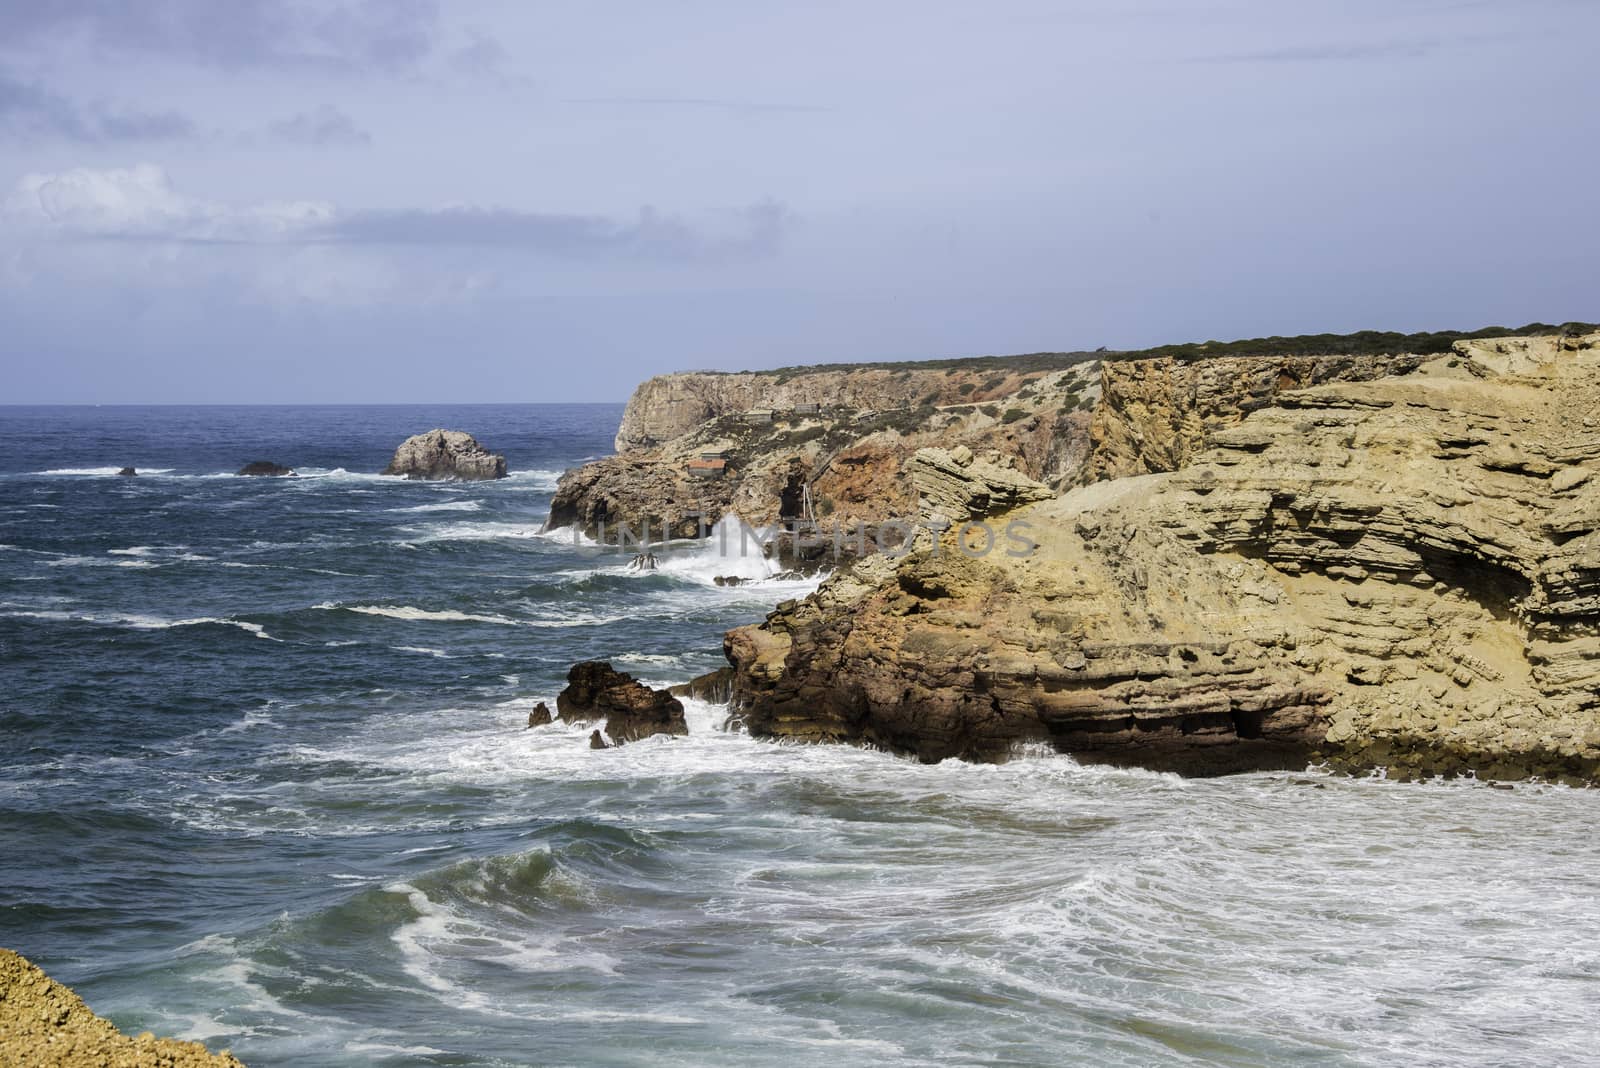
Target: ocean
(265, 781)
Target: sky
(390, 201)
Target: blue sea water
(265, 781)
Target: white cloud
(140, 203)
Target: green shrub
(966, 388)
(1012, 415)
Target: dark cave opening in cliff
(792, 498)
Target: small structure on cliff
(703, 468)
(446, 454)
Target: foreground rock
(1402, 573)
(632, 710)
(45, 1025)
(446, 454)
(540, 715)
(266, 469)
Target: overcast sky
(398, 200)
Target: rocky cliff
(1083, 421)
(847, 457)
(1402, 573)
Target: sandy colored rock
(445, 454)
(1400, 573)
(45, 1025)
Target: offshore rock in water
(597, 742)
(44, 1024)
(446, 454)
(127, 472)
(266, 469)
(540, 715)
(632, 710)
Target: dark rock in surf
(266, 469)
(446, 454)
(597, 742)
(127, 472)
(540, 715)
(632, 710)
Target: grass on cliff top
(1360, 343)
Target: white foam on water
(141, 622)
(443, 506)
(92, 471)
(412, 614)
(542, 481)
(423, 650)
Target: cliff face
(1403, 572)
(848, 456)
(669, 406)
(1069, 426)
(1156, 415)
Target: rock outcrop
(540, 715)
(127, 472)
(847, 462)
(446, 454)
(632, 710)
(45, 1025)
(266, 469)
(1400, 573)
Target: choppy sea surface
(265, 782)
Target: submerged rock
(446, 454)
(540, 715)
(632, 710)
(266, 469)
(45, 1025)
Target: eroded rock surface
(45, 1025)
(1403, 572)
(445, 454)
(266, 469)
(595, 690)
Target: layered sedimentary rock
(844, 462)
(1403, 572)
(670, 406)
(1157, 414)
(1084, 422)
(595, 690)
(445, 454)
(45, 1025)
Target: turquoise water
(265, 781)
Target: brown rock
(632, 710)
(540, 715)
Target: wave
(444, 506)
(412, 614)
(141, 622)
(104, 471)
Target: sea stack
(446, 454)
(632, 710)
